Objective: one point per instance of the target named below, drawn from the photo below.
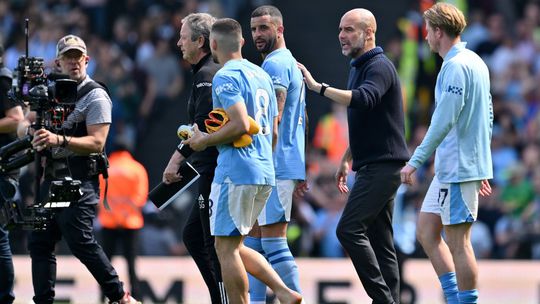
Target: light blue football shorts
(234, 208)
(279, 205)
(456, 203)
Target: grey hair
(200, 25)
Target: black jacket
(199, 105)
(6, 104)
(375, 115)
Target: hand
(308, 79)
(171, 175)
(341, 177)
(197, 141)
(485, 189)
(24, 128)
(406, 174)
(300, 189)
(44, 139)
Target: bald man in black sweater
(378, 151)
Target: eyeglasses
(72, 57)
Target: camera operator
(83, 132)
(10, 116)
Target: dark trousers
(74, 223)
(126, 240)
(7, 273)
(365, 230)
(200, 243)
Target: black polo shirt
(199, 105)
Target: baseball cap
(70, 42)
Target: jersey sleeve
(449, 106)
(227, 90)
(273, 100)
(280, 75)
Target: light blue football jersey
(243, 81)
(462, 123)
(289, 156)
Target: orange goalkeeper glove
(246, 139)
(218, 117)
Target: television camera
(52, 97)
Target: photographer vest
(77, 166)
(80, 128)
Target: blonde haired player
(460, 130)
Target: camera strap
(80, 93)
(100, 166)
(89, 87)
(105, 174)
(105, 201)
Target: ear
(280, 30)
(369, 33)
(57, 63)
(439, 32)
(242, 41)
(213, 44)
(200, 41)
(86, 59)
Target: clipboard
(163, 194)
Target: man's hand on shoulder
(311, 83)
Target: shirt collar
(196, 67)
(454, 50)
(279, 50)
(366, 56)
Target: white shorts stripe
(234, 208)
(279, 205)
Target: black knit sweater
(375, 115)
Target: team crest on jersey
(455, 90)
(226, 87)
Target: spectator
(126, 195)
